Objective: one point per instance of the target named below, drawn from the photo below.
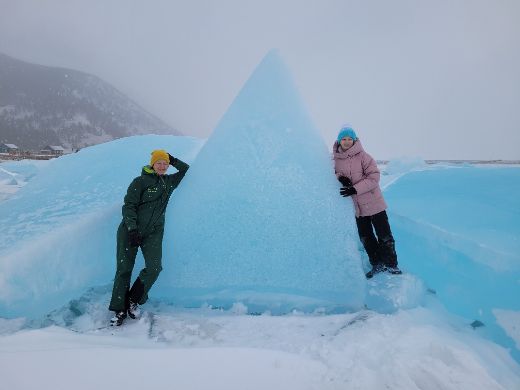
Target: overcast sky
(430, 79)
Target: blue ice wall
(57, 234)
(459, 230)
(258, 218)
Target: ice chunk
(389, 293)
(57, 235)
(258, 218)
(7, 178)
(457, 229)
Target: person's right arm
(131, 203)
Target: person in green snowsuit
(143, 226)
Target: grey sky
(434, 79)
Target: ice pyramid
(258, 219)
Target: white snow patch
(204, 348)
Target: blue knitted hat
(347, 131)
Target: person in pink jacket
(358, 173)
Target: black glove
(135, 238)
(173, 160)
(345, 181)
(347, 191)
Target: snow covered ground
(202, 348)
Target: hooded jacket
(362, 170)
(147, 197)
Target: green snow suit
(144, 209)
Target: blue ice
(258, 218)
(57, 234)
(458, 230)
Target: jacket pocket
(365, 198)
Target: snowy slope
(41, 105)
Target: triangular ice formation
(258, 218)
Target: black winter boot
(394, 270)
(387, 251)
(133, 310)
(134, 297)
(375, 270)
(118, 318)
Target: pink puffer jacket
(362, 170)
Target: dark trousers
(152, 253)
(380, 250)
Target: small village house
(54, 151)
(9, 149)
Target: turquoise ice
(57, 234)
(258, 218)
(458, 229)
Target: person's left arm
(371, 175)
(176, 178)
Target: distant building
(9, 148)
(52, 150)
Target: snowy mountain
(41, 105)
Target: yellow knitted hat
(159, 154)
